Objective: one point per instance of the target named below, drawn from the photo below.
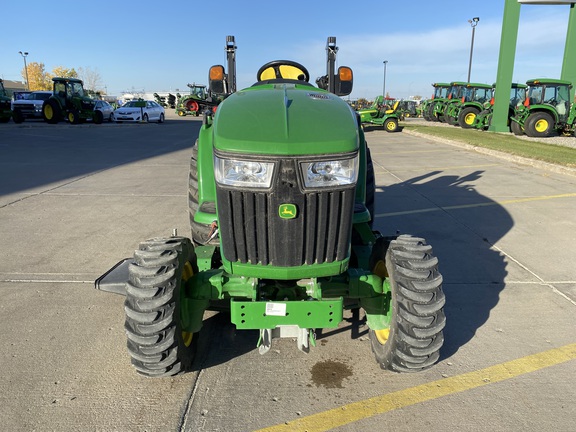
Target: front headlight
(330, 173)
(236, 172)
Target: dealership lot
(76, 199)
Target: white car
(139, 111)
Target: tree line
(40, 79)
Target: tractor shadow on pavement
(220, 342)
(462, 226)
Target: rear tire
(201, 233)
(51, 111)
(155, 339)
(413, 341)
(370, 186)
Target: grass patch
(506, 143)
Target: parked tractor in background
(484, 118)
(547, 109)
(281, 212)
(443, 107)
(383, 112)
(69, 102)
(197, 101)
(409, 108)
(168, 101)
(440, 93)
(463, 111)
(5, 111)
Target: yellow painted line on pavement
(356, 411)
(486, 204)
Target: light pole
(24, 54)
(384, 85)
(473, 22)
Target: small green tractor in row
(483, 119)
(5, 111)
(547, 109)
(69, 102)
(440, 95)
(281, 215)
(463, 110)
(382, 114)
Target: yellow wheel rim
(469, 118)
(541, 125)
(48, 112)
(187, 273)
(382, 335)
(71, 117)
(391, 126)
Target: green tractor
(197, 101)
(483, 119)
(5, 110)
(69, 102)
(383, 112)
(545, 110)
(444, 108)
(440, 93)
(463, 111)
(281, 220)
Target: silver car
(105, 109)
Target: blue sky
(163, 45)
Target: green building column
(510, 22)
(569, 62)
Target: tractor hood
(285, 119)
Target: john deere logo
(287, 211)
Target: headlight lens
(235, 172)
(330, 173)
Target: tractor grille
(252, 231)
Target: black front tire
(98, 117)
(17, 116)
(466, 117)
(413, 341)
(156, 341)
(516, 128)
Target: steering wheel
(283, 69)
